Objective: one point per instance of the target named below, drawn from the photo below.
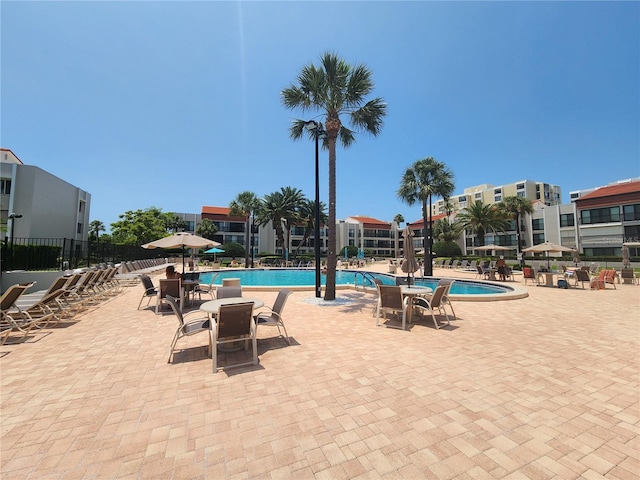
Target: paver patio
(542, 387)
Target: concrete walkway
(538, 388)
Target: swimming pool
(305, 279)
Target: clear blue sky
(177, 104)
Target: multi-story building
(609, 216)
(375, 236)
(545, 193)
(43, 205)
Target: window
(462, 199)
(497, 198)
(538, 238)
(5, 186)
(537, 224)
(80, 206)
(497, 191)
(520, 186)
(631, 212)
(79, 228)
(521, 194)
(478, 196)
(567, 220)
(600, 215)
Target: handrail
(367, 278)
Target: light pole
(318, 132)
(12, 216)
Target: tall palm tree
(398, 219)
(480, 218)
(420, 182)
(308, 217)
(244, 205)
(334, 88)
(515, 207)
(96, 226)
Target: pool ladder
(367, 280)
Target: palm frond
(369, 117)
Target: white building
(49, 206)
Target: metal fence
(66, 253)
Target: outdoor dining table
(213, 306)
(412, 291)
(548, 277)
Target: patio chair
(234, 323)
(229, 292)
(273, 316)
(628, 276)
(482, 273)
(390, 299)
(529, 273)
(447, 282)
(206, 289)
(188, 328)
(172, 287)
(149, 289)
(582, 276)
(433, 303)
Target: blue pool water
(293, 277)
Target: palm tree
(420, 182)
(294, 199)
(515, 207)
(244, 205)
(308, 217)
(398, 219)
(334, 88)
(280, 208)
(481, 218)
(96, 226)
(445, 231)
(207, 229)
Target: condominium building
(545, 193)
(41, 205)
(375, 236)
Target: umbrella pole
(183, 259)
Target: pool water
(295, 277)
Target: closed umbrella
(547, 247)
(181, 240)
(626, 263)
(409, 264)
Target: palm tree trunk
(425, 242)
(330, 288)
(518, 252)
(247, 227)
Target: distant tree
(233, 249)
(399, 219)
(423, 180)
(481, 218)
(307, 213)
(206, 229)
(244, 205)
(335, 89)
(174, 223)
(515, 207)
(295, 199)
(280, 208)
(445, 231)
(95, 227)
(139, 227)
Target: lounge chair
(390, 299)
(234, 323)
(273, 316)
(14, 320)
(188, 328)
(433, 303)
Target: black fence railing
(67, 253)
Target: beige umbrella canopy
(409, 264)
(181, 240)
(548, 247)
(491, 246)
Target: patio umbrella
(625, 256)
(548, 247)
(409, 264)
(492, 247)
(214, 250)
(181, 240)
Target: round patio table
(212, 306)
